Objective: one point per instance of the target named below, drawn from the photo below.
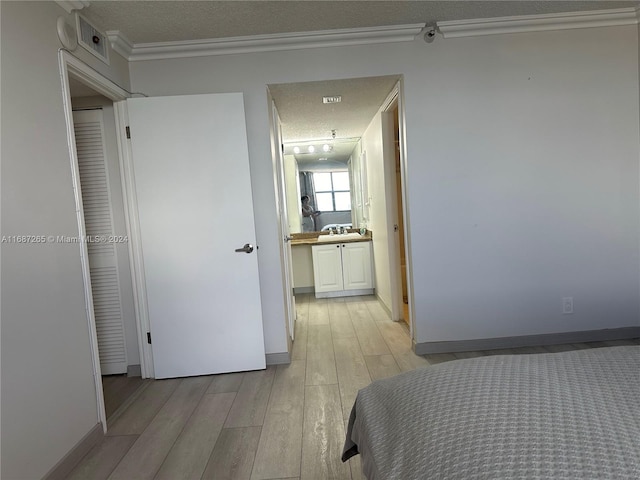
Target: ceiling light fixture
(326, 148)
(311, 149)
(296, 150)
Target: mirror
(322, 123)
(324, 184)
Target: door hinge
(128, 130)
(149, 338)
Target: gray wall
(522, 172)
(48, 393)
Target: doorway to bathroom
(349, 129)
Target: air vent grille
(92, 39)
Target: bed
(570, 415)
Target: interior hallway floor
(117, 390)
(285, 422)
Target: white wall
(373, 146)
(522, 172)
(292, 192)
(302, 260)
(530, 168)
(357, 200)
(48, 393)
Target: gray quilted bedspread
(571, 415)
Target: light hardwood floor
(285, 422)
(117, 390)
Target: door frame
(283, 219)
(396, 97)
(71, 67)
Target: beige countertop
(311, 238)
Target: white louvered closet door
(98, 219)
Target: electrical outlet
(567, 305)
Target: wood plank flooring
(117, 391)
(285, 422)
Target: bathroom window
(333, 192)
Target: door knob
(248, 248)
(287, 238)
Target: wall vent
(92, 39)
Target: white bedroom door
(193, 190)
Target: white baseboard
(527, 340)
(345, 293)
(282, 358)
(301, 290)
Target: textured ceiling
(303, 115)
(160, 21)
(305, 118)
(361, 98)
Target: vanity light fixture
(306, 148)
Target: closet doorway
(107, 245)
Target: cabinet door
(356, 265)
(327, 268)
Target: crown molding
(271, 43)
(539, 23)
(119, 43)
(71, 5)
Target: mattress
(570, 415)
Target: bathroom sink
(338, 238)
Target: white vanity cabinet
(342, 269)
